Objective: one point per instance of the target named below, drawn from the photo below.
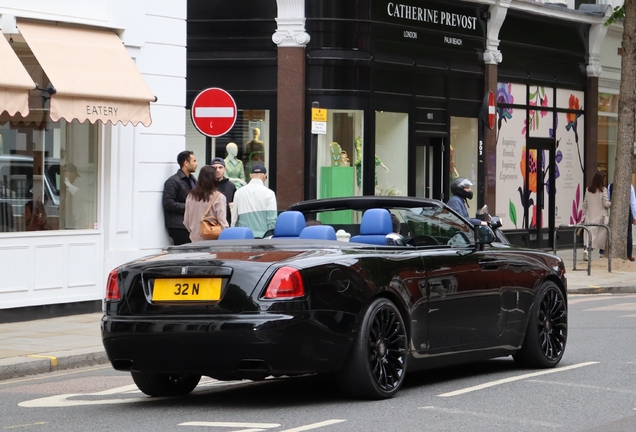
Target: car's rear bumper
(232, 346)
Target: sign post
(318, 127)
(213, 112)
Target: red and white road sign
(213, 112)
(492, 117)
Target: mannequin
(255, 148)
(233, 166)
(358, 162)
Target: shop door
(429, 175)
(538, 194)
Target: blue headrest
(289, 224)
(376, 221)
(236, 233)
(319, 232)
(377, 239)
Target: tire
(547, 330)
(160, 384)
(376, 365)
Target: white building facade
(82, 167)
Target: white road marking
(256, 427)
(314, 425)
(66, 400)
(252, 426)
(583, 386)
(512, 379)
(492, 417)
(63, 401)
(52, 375)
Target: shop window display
(339, 159)
(48, 174)
(391, 150)
(246, 144)
(463, 152)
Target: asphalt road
(593, 389)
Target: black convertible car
(415, 287)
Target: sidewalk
(40, 346)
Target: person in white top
(255, 204)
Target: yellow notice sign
(319, 114)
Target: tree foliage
(617, 14)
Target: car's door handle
(490, 264)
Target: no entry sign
(213, 112)
(491, 110)
(488, 113)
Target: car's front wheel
(163, 384)
(376, 365)
(547, 330)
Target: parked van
(17, 186)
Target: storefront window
(339, 160)
(463, 152)
(339, 155)
(246, 144)
(391, 153)
(607, 133)
(48, 174)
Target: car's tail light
(286, 283)
(112, 287)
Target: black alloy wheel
(547, 332)
(163, 384)
(377, 364)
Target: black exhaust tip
(122, 364)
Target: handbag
(210, 228)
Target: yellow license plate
(204, 289)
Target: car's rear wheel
(547, 331)
(376, 365)
(163, 384)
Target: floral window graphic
(529, 165)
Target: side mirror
(484, 235)
(495, 222)
(394, 239)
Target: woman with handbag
(205, 206)
(595, 205)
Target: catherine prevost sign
(430, 22)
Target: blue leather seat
(236, 233)
(318, 232)
(289, 224)
(375, 225)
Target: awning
(91, 71)
(15, 81)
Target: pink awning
(91, 71)
(15, 82)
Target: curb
(15, 367)
(624, 289)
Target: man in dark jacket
(226, 187)
(175, 192)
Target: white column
(291, 24)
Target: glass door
(429, 175)
(538, 194)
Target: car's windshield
(430, 224)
